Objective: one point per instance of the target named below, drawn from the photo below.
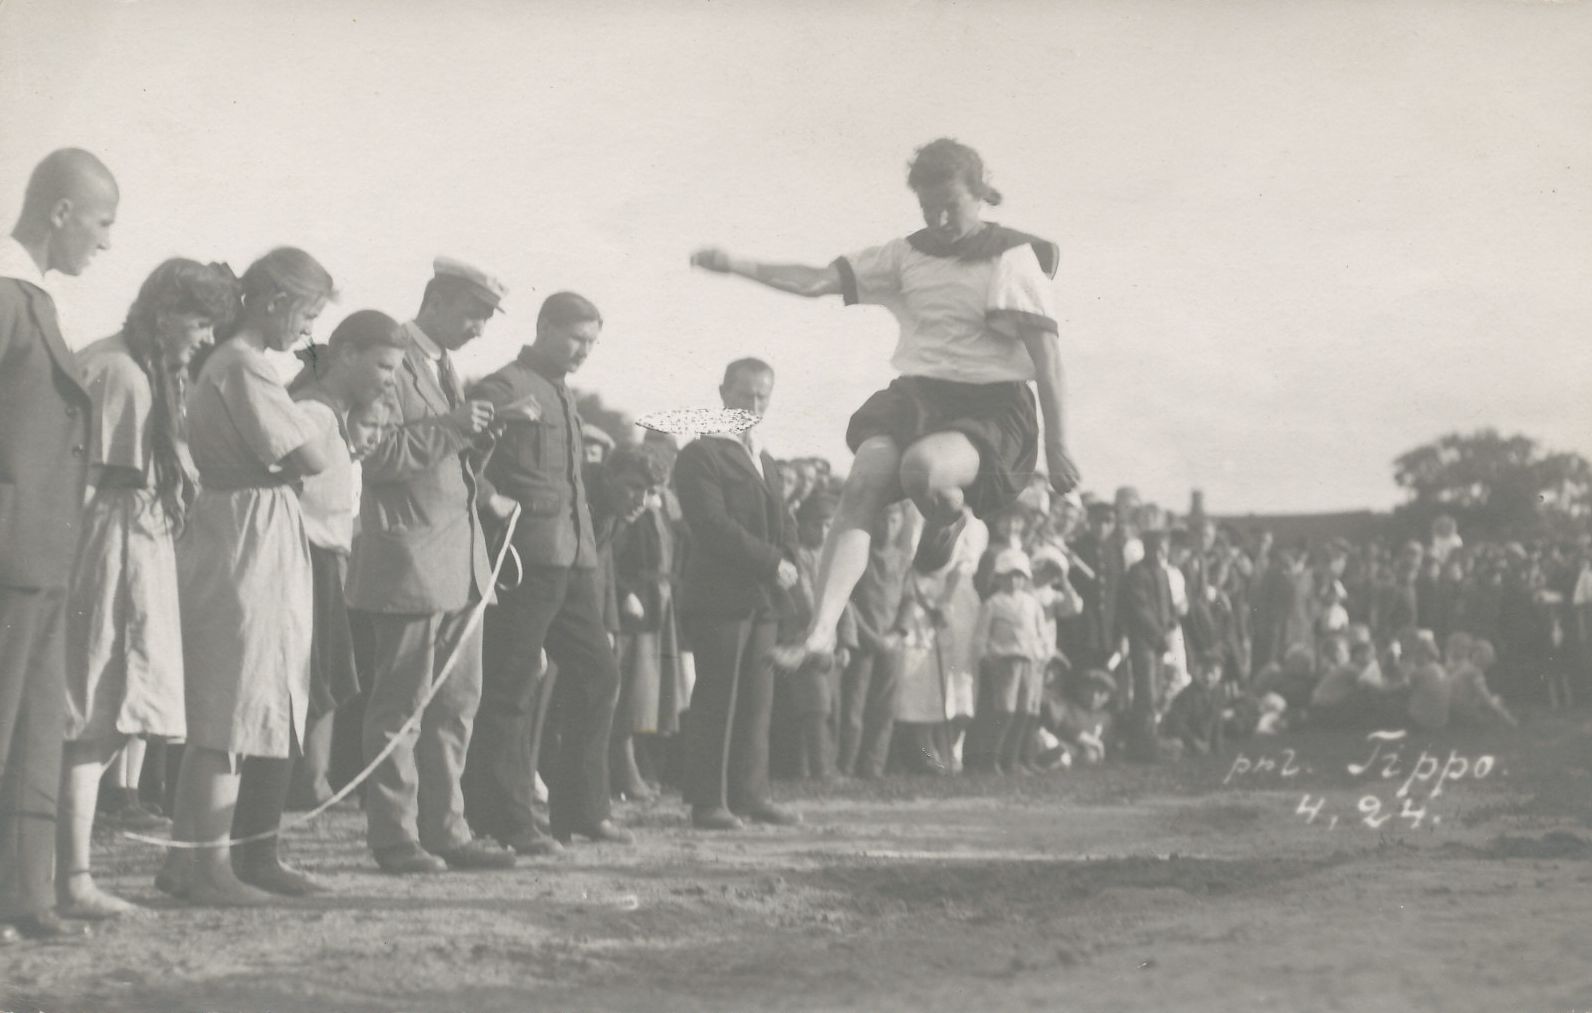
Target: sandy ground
(1119, 888)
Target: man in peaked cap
(419, 568)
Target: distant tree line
(1495, 486)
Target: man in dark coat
(1146, 618)
(67, 214)
(743, 549)
(559, 605)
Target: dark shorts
(998, 418)
(334, 679)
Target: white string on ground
(392, 743)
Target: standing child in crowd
(342, 394)
(1011, 630)
(245, 579)
(650, 676)
(124, 655)
(868, 683)
(816, 684)
(619, 492)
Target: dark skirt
(998, 418)
(333, 678)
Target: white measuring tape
(392, 743)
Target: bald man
(67, 213)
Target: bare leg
(132, 763)
(934, 472)
(871, 486)
(207, 794)
(76, 893)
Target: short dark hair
(366, 329)
(746, 365)
(634, 460)
(562, 308)
(1153, 540)
(943, 160)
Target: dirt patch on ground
(1113, 889)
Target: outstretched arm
(793, 278)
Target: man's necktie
(449, 380)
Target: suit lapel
(42, 307)
(425, 384)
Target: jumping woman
(958, 426)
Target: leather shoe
(936, 545)
(478, 854)
(606, 832)
(48, 926)
(534, 844)
(408, 860)
(715, 818)
(773, 815)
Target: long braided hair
(185, 287)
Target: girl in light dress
(124, 653)
(245, 579)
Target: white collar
(750, 441)
(430, 349)
(16, 262)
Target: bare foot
(78, 896)
(209, 888)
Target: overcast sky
(1297, 238)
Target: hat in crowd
(595, 434)
(482, 285)
(1100, 510)
(1012, 561)
(1049, 555)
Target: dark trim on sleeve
(1036, 321)
(1049, 255)
(848, 281)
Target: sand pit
(1119, 888)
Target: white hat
(1012, 561)
(483, 285)
(1051, 555)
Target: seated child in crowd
(1472, 702)
(1430, 690)
(1077, 711)
(1294, 680)
(1195, 714)
(1334, 694)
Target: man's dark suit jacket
(44, 416)
(739, 530)
(1146, 612)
